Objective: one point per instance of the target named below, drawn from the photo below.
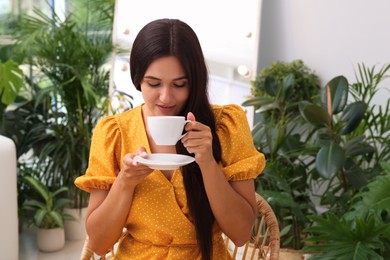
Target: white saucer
(164, 161)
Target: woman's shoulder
(115, 122)
(129, 115)
(227, 112)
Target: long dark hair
(167, 37)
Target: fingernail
(134, 163)
(144, 153)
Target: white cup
(166, 130)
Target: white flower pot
(75, 229)
(9, 246)
(50, 240)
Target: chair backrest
(264, 243)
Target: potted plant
(67, 94)
(47, 208)
(53, 116)
(321, 152)
(276, 93)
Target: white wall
(330, 36)
(227, 30)
(223, 27)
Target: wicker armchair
(264, 244)
(265, 241)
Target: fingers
(142, 152)
(191, 116)
(198, 140)
(130, 164)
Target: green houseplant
(47, 208)
(60, 99)
(321, 153)
(70, 89)
(276, 134)
(361, 233)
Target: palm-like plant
(361, 233)
(69, 62)
(48, 207)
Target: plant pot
(75, 228)
(50, 240)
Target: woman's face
(164, 87)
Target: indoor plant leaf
(11, 80)
(47, 208)
(257, 101)
(329, 160)
(338, 87)
(32, 204)
(378, 196)
(340, 238)
(315, 114)
(37, 186)
(39, 218)
(354, 174)
(287, 85)
(356, 146)
(353, 115)
(271, 86)
(57, 218)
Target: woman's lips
(165, 109)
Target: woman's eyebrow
(179, 78)
(151, 77)
(155, 78)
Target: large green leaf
(57, 218)
(329, 160)
(279, 199)
(271, 86)
(356, 146)
(385, 166)
(287, 85)
(11, 80)
(39, 218)
(38, 186)
(338, 87)
(378, 196)
(338, 238)
(354, 174)
(315, 114)
(353, 115)
(323, 137)
(258, 101)
(33, 205)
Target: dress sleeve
(104, 157)
(240, 159)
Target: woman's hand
(132, 172)
(198, 140)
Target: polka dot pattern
(158, 226)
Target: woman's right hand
(133, 172)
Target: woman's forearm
(233, 205)
(107, 214)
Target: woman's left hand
(198, 140)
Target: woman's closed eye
(180, 84)
(153, 83)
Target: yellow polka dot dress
(158, 226)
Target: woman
(176, 214)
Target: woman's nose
(165, 94)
